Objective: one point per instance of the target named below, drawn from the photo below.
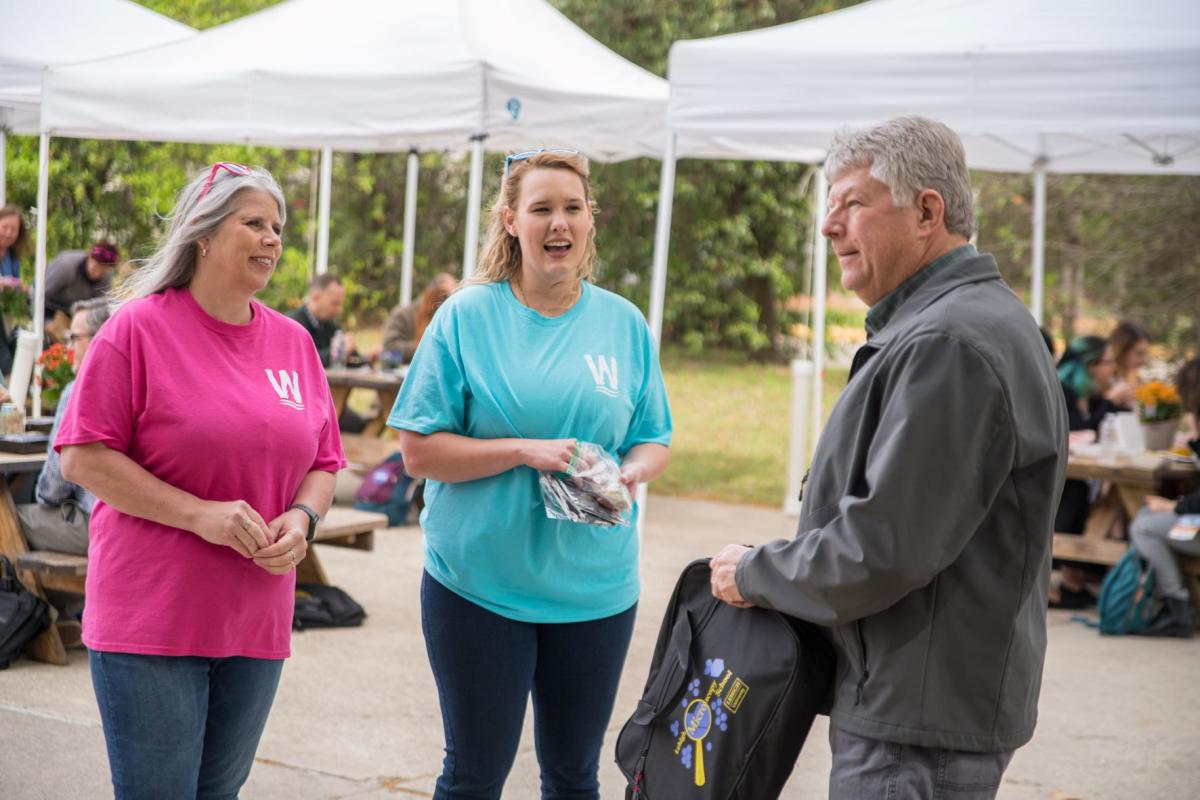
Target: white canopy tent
(58, 31)
(376, 75)
(1082, 86)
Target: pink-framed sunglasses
(240, 170)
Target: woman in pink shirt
(203, 423)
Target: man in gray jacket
(924, 538)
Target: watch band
(313, 519)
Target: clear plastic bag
(590, 491)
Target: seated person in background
(1130, 348)
(59, 519)
(76, 275)
(1086, 372)
(405, 324)
(319, 316)
(320, 312)
(1151, 528)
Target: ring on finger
(292, 553)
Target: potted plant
(56, 368)
(14, 302)
(1159, 410)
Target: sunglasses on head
(508, 160)
(241, 170)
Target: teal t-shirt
(488, 367)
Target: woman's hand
(633, 473)
(233, 524)
(1159, 505)
(548, 455)
(1121, 394)
(289, 548)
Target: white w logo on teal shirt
(604, 372)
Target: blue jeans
(485, 666)
(870, 769)
(181, 726)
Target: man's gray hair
(910, 154)
(194, 218)
(96, 312)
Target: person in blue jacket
(526, 360)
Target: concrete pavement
(356, 715)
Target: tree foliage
(740, 230)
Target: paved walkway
(357, 716)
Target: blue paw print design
(713, 715)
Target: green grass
(732, 426)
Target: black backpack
(321, 606)
(23, 614)
(731, 695)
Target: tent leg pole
(1036, 295)
(323, 210)
(820, 270)
(658, 278)
(662, 240)
(474, 198)
(410, 227)
(39, 284)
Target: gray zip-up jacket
(925, 531)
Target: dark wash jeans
(182, 726)
(869, 769)
(485, 666)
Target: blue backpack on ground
(387, 489)
(1126, 601)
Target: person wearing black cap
(76, 275)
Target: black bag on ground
(729, 701)
(23, 614)
(320, 606)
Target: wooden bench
(1091, 550)
(50, 570)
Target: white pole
(474, 198)
(658, 276)
(323, 210)
(820, 275)
(1036, 301)
(662, 239)
(410, 227)
(39, 281)
(3, 165)
(802, 375)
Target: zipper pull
(858, 690)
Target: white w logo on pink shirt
(288, 383)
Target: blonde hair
(500, 256)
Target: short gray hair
(193, 218)
(96, 310)
(910, 154)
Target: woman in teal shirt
(517, 366)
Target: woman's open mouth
(558, 247)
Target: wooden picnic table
(386, 386)
(46, 646)
(1104, 539)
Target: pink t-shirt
(222, 411)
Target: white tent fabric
(1104, 86)
(42, 32)
(1082, 86)
(373, 75)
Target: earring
(203, 252)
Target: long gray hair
(194, 218)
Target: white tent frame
(740, 138)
